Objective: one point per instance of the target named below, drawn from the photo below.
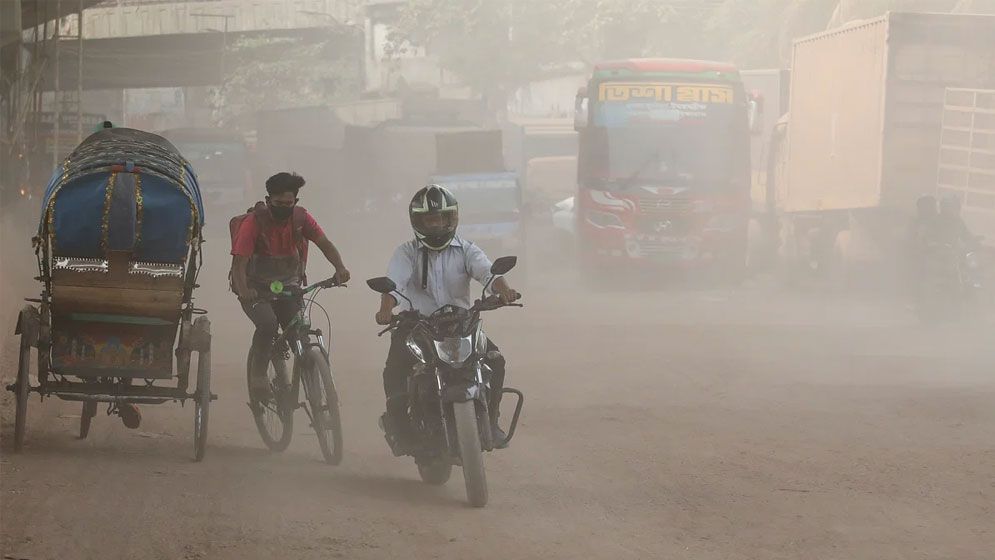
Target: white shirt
(449, 273)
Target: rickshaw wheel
(201, 409)
(89, 411)
(202, 399)
(23, 391)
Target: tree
(283, 72)
(497, 45)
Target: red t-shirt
(281, 237)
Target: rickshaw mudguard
(28, 325)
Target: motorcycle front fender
(463, 391)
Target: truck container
(863, 134)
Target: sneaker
(397, 437)
(498, 436)
(130, 415)
(280, 381)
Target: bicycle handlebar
(294, 291)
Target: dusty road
(720, 424)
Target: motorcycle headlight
(972, 261)
(415, 350)
(454, 351)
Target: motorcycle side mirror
(503, 265)
(382, 285)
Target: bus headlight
(604, 220)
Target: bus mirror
(580, 109)
(755, 113)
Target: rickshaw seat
(117, 286)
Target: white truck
(862, 139)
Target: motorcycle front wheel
(468, 435)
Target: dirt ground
(724, 424)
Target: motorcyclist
(951, 226)
(926, 220)
(271, 244)
(432, 270)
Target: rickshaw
(118, 249)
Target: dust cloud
(737, 340)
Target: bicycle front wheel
(274, 415)
(324, 403)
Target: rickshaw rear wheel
(200, 415)
(202, 399)
(23, 391)
(89, 411)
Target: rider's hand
(384, 317)
(342, 275)
(509, 296)
(249, 295)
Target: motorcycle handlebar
(401, 317)
(489, 303)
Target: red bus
(664, 164)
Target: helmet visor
(435, 224)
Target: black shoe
(498, 436)
(397, 438)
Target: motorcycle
(448, 388)
(950, 280)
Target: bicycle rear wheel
(274, 416)
(324, 402)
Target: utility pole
(224, 38)
(56, 95)
(79, 74)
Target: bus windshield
(667, 136)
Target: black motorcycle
(448, 388)
(950, 280)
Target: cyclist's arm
(314, 233)
(243, 247)
(239, 266)
(330, 251)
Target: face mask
(281, 212)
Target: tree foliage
(499, 44)
(283, 72)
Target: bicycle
(274, 415)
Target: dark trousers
(267, 316)
(398, 368)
